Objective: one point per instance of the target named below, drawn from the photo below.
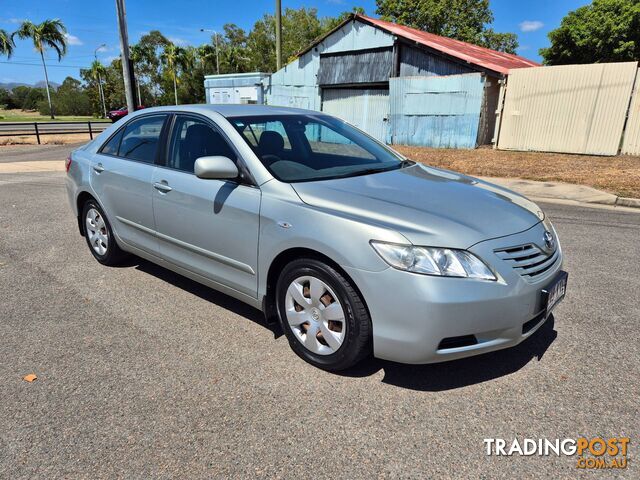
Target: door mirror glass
(215, 168)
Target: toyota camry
(354, 249)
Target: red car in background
(117, 114)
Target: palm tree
(6, 44)
(50, 33)
(173, 58)
(98, 71)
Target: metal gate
(367, 109)
(434, 111)
(568, 108)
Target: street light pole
(215, 39)
(104, 105)
(278, 34)
(127, 71)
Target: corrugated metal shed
(356, 66)
(436, 111)
(569, 108)
(499, 62)
(418, 63)
(631, 144)
(367, 109)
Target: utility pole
(127, 70)
(279, 34)
(100, 89)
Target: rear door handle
(98, 168)
(162, 187)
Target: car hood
(429, 206)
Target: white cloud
(178, 41)
(531, 25)
(108, 60)
(103, 48)
(72, 39)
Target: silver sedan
(352, 248)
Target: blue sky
(93, 22)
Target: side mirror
(215, 168)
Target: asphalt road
(143, 373)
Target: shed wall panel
(355, 67)
(416, 62)
(569, 108)
(631, 144)
(433, 111)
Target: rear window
(111, 147)
(141, 139)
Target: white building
(235, 88)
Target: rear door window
(141, 139)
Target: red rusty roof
(484, 57)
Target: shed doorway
(365, 108)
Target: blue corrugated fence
(442, 112)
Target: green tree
(6, 44)
(605, 31)
(148, 66)
(173, 58)
(98, 72)
(18, 95)
(300, 27)
(33, 98)
(466, 20)
(6, 101)
(50, 33)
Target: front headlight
(446, 262)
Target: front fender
(286, 223)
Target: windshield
(301, 148)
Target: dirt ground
(45, 139)
(619, 175)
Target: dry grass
(619, 175)
(45, 139)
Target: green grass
(19, 116)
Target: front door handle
(162, 187)
(98, 168)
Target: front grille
(528, 260)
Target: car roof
(230, 110)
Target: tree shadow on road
(461, 373)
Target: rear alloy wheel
(322, 315)
(99, 235)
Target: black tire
(114, 255)
(357, 341)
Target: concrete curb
(628, 202)
(563, 191)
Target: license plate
(554, 293)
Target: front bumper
(425, 319)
